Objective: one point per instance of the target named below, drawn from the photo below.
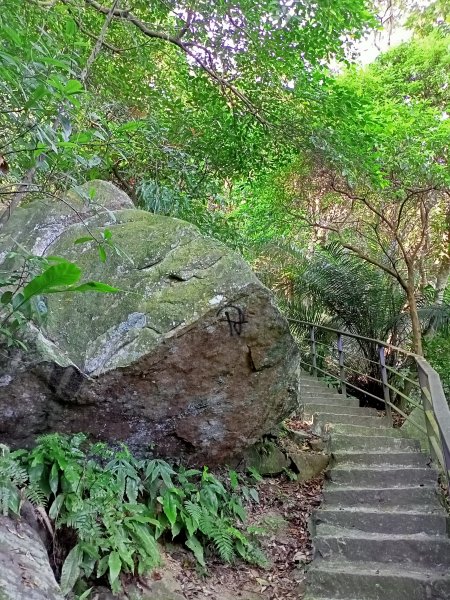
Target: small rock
(102, 593)
(166, 588)
(298, 436)
(317, 444)
(309, 464)
(300, 557)
(275, 526)
(267, 459)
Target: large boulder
(191, 356)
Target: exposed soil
(281, 518)
(284, 509)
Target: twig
(98, 45)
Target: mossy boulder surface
(191, 355)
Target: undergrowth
(115, 507)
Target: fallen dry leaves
(287, 547)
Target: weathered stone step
(319, 389)
(375, 581)
(313, 397)
(389, 497)
(360, 420)
(382, 476)
(338, 409)
(350, 544)
(333, 400)
(339, 428)
(400, 459)
(383, 521)
(311, 380)
(363, 443)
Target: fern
(194, 510)
(15, 487)
(118, 506)
(34, 494)
(218, 531)
(223, 543)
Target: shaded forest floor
(283, 512)
(280, 521)
(281, 517)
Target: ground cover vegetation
(117, 507)
(251, 120)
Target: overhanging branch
(185, 47)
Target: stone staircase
(381, 532)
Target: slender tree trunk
(444, 268)
(415, 321)
(442, 280)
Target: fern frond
(194, 510)
(223, 542)
(34, 494)
(217, 530)
(10, 470)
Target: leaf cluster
(27, 281)
(118, 507)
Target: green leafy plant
(23, 286)
(118, 507)
(15, 486)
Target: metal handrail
(432, 398)
(355, 336)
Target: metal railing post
(340, 346)
(428, 409)
(384, 381)
(434, 402)
(313, 350)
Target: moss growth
(167, 271)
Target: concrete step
(360, 420)
(311, 380)
(345, 429)
(394, 498)
(396, 458)
(334, 400)
(313, 397)
(319, 388)
(364, 443)
(375, 581)
(383, 521)
(381, 477)
(338, 409)
(350, 544)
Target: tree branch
(376, 263)
(126, 15)
(98, 44)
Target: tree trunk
(442, 280)
(415, 322)
(444, 268)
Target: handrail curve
(424, 381)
